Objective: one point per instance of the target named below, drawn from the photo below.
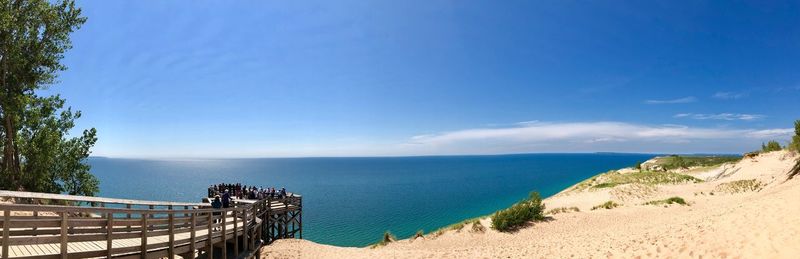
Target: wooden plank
(144, 237)
(171, 252)
(64, 235)
(224, 237)
(193, 238)
(109, 236)
(6, 228)
(210, 237)
(64, 197)
(245, 226)
(235, 239)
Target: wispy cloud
(720, 116)
(729, 95)
(688, 99)
(593, 136)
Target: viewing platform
(42, 225)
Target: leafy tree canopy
(39, 154)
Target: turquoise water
(352, 201)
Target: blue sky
(376, 78)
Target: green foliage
(612, 179)
(607, 205)
(38, 152)
(739, 186)
(676, 162)
(795, 144)
(638, 166)
(772, 145)
(671, 200)
(563, 210)
(530, 209)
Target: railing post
(224, 236)
(171, 251)
(245, 229)
(6, 227)
(185, 215)
(35, 216)
(235, 235)
(192, 237)
(144, 236)
(300, 219)
(128, 206)
(210, 237)
(64, 235)
(109, 232)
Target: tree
(795, 144)
(38, 152)
(772, 145)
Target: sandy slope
(760, 224)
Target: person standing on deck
(226, 199)
(216, 204)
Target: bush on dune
(772, 145)
(530, 209)
(672, 200)
(608, 205)
(795, 144)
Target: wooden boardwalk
(103, 227)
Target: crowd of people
(225, 192)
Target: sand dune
(764, 223)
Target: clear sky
(376, 78)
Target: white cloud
(720, 116)
(688, 99)
(729, 95)
(593, 136)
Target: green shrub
(795, 144)
(672, 200)
(608, 205)
(772, 145)
(530, 209)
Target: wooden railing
(159, 230)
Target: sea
(352, 201)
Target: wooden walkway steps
(121, 228)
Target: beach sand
(717, 224)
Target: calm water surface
(352, 201)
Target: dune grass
(607, 205)
(386, 239)
(750, 185)
(477, 227)
(676, 162)
(562, 210)
(671, 200)
(419, 234)
(612, 179)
